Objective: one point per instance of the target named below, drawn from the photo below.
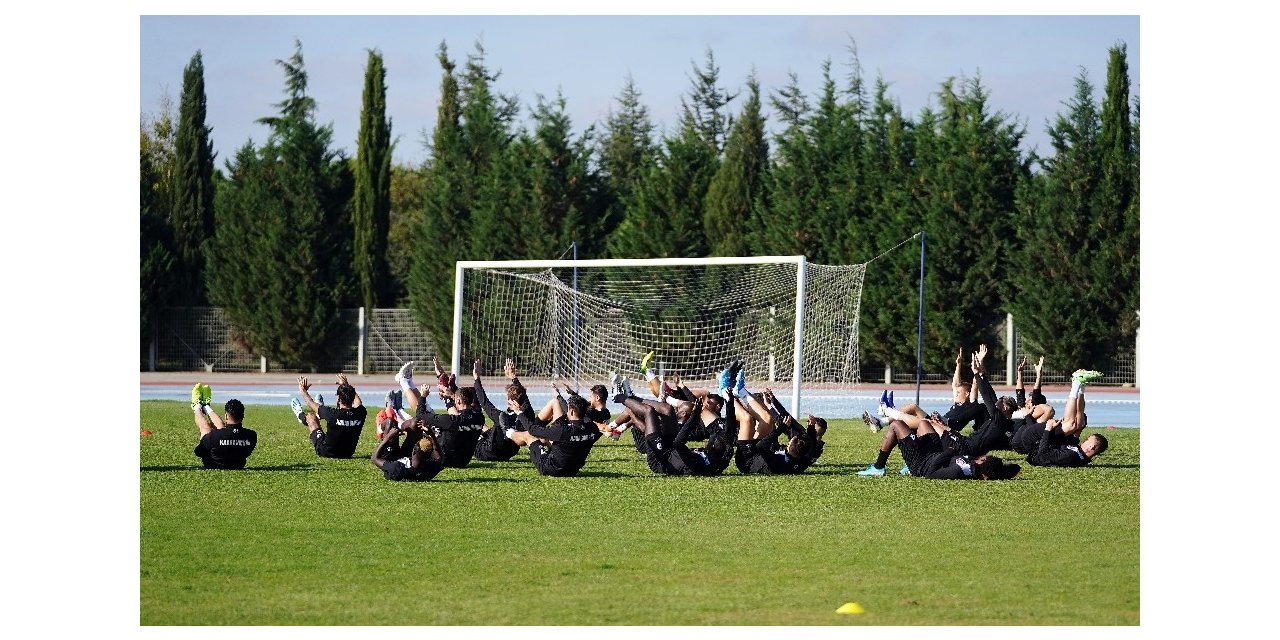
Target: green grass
(298, 540)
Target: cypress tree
(371, 207)
(1058, 290)
(1116, 218)
(156, 236)
(970, 169)
(738, 185)
(193, 192)
(445, 216)
(626, 152)
(280, 265)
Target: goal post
(578, 320)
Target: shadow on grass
(196, 467)
(440, 478)
(1114, 466)
(602, 474)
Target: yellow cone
(851, 607)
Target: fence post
(1009, 337)
(264, 364)
(888, 374)
(1137, 354)
(360, 347)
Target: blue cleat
(871, 471)
(904, 471)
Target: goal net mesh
(580, 327)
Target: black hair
(1102, 443)
(719, 402)
(799, 447)
(718, 447)
(578, 405)
(600, 392)
(235, 409)
(1038, 398)
(346, 394)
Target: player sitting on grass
(456, 432)
(417, 460)
(561, 447)
(1055, 447)
(225, 443)
(494, 445)
(669, 454)
(345, 422)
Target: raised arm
(980, 379)
(1039, 368)
(695, 417)
(304, 388)
(955, 378)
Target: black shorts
(750, 459)
(320, 443)
(495, 446)
(670, 462)
(916, 449)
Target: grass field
(299, 540)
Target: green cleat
(196, 402)
(644, 362)
(1086, 376)
(206, 394)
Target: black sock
(882, 459)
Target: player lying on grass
(670, 454)
(1058, 444)
(758, 450)
(964, 410)
(674, 405)
(561, 447)
(456, 432)
(345, 422)
(494, 445)
(392, 413)
(926, 456)
(225, 443)
(995, 432)
(417, 460)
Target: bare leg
(913, 409)
(1041, 413)
(313, 422)
(202, 423)
(554, 408)
(746, 423)
(523, 438)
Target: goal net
(793, 324)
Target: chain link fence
(199, 338)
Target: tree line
(286, 232)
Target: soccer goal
(794, 324)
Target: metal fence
(199, 338)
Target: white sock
(406, 384)
(893, 414)
(509, 432)
(650, 374)
(1076, 387)
(403, 415)
(1020, 413)
(672, 400)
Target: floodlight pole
(920, 324)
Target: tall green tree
(193, 186)
(281, 250)
(970, 168)
(626, 154)
(408, 193)
(158, 260)
(737, 189)
(569, 189)
(1059, 293)
(1116, 219)
(707, 106)
(371, 208)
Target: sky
(76, 76)
(1028, 64)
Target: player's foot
(196, 400)
(884, 397)
(206, 394)
(390, 399)
(890, 402)
(725, 379)
(320, 399)
(871, 471)
(872, 422)
(625, 386)
(1086, 376)
(904, 471)
(405, 374)
(882, 411)
(296, 405)
(644, 362)
(741, 389)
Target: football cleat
(871, 471)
